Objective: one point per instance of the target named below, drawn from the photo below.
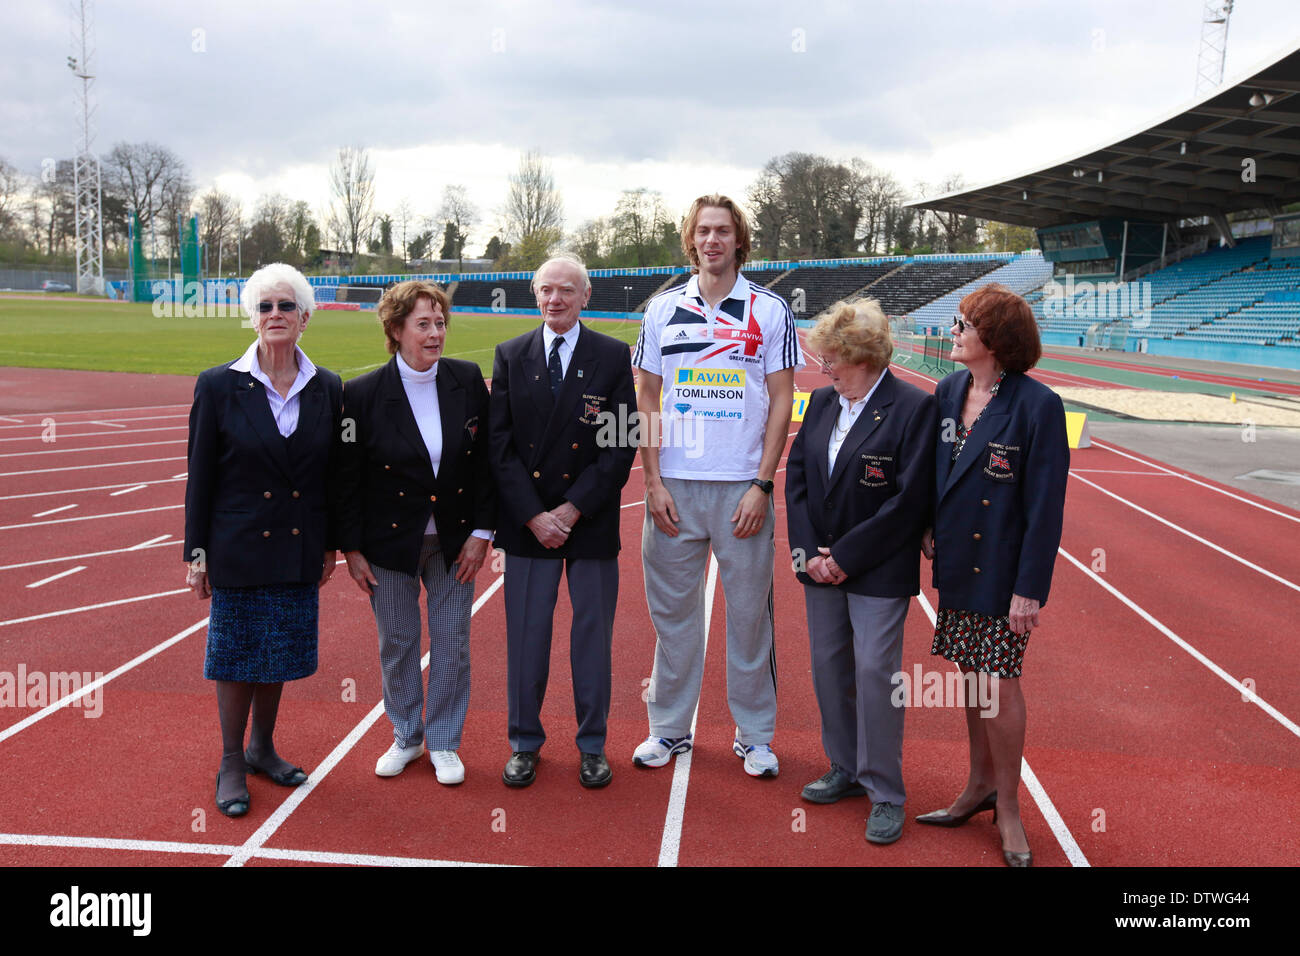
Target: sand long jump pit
(1154, 406)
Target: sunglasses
(286, 305)
(961, 323)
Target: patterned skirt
(979, 641)
(262, 634)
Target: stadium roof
(1189, 164)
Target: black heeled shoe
(1018, 860)
(293, 777)
(235, 806)
(942, 818)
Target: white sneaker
(447, 766)
(396, 758)
(657, 751)
(759, 759)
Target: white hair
(568, 258)
(267, 278)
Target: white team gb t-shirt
(714, 363)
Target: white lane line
(90, 554)
(61, 436)
(150, 543)
(223, 849)
(1036, 790)
(1247, 694)
(72, 491)
(92, 607)
(108, 424)
(4, 418)
(102, 464)
(359, 859)
(1186, 477)
(671, 843)
(99, 411)
(76, 421)
(1115, 471)
(52, 511)
(127, 490)
(55, 577)
(115, 514)
(253, 846)
(183, 474)
(68, 451)
(99, 681)
(1195, 537)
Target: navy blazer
(999, 509)
(549, 449)
(386, 487)
(872, 509)
(257, 503)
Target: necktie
(554, 366)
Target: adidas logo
(681, 335)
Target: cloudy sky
(682, 97)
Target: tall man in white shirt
(717, 360)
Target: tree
(352, 181)
(960, 233)
(53, 209)
(637, 227)
(495, 249)
(449, 243)
(1004, 237)
(153, 181)
(459, 213)
(533, 213)
(419, 247)
(590, 243)
(403, 217)
(218, 214)
(11, 191)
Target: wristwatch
(763, 486)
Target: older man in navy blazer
(560, 473)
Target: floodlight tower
(86, 176)
(1214, 45)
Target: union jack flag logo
(744, 333)
(875, 471)
(997, 461)
(590, 410)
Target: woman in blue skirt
(257, 530)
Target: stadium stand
(823, 286)
(608, 293)
(517, 294)
(922, 282)
(1022, 274)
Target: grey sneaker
(885, 825)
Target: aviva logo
(710, 376)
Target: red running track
(1141, 723)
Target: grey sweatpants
(675, 571)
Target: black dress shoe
(942, 818)
(293, 777)
(595, 771)
(234, 807)
(833, 785)
(521, 768)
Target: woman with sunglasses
(858, 489)
(257, 535)
(1002, 463)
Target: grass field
(67, 332)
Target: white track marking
(93, 554)
(99, 681)
(5, 418)
(114, 514)
(108, 424)
(223, 849)
(67, 421)
(92, 607)
(1186, 477)
(127, 490)
(68, 451)
(1195, 537)
(61, 436)
(671, 843)
(104, 464)
(1247, 694)
(1036, 790)
(253, 846)
(73, 491)
(1115, 471)
(52, 511)
(98, 411)
(55, 577)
